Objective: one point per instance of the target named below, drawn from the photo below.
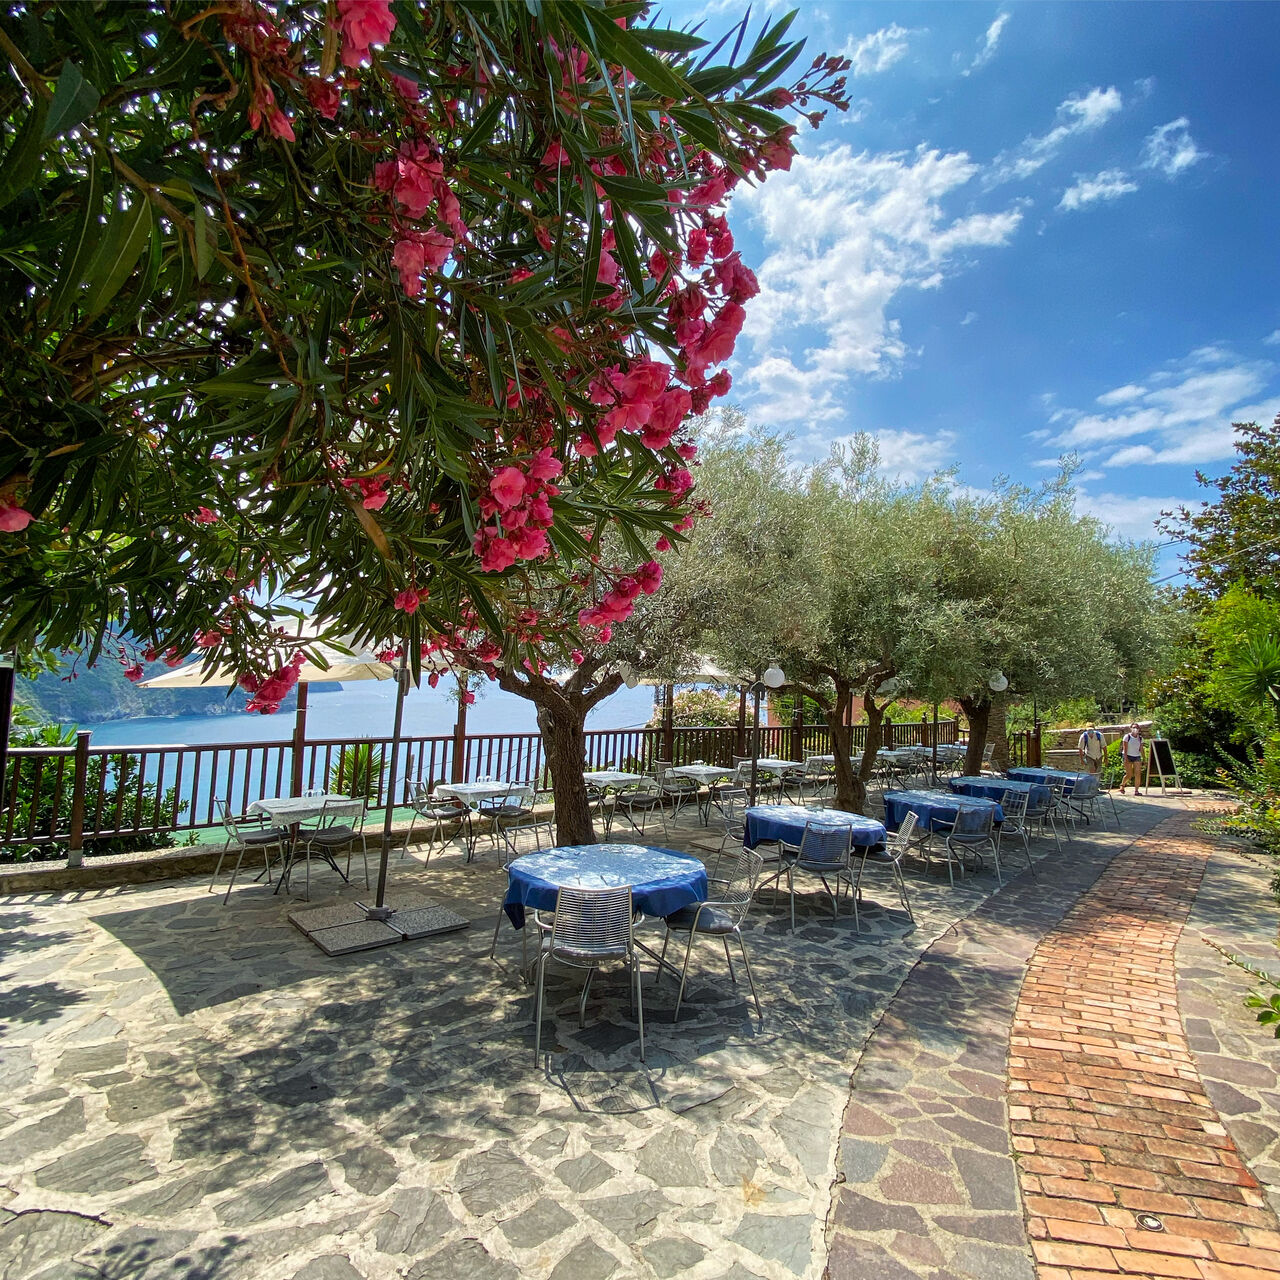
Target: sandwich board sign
(1161, 763)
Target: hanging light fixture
(774, 677)
(998, 682)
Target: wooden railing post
(79, 788)
(1033, 746)
(668, 730)
(797, 731)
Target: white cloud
(1077, 115)
(1272, 339)
(987, 50)
(878, 51)
(1170, 148)
(1110, 184)
(1181, 414)
(1122, 395)
(969, 317)
(1130, 516)
(844, 234)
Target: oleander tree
(394, 309)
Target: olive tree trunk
(977, 711)
(998, 732)
(564, 739)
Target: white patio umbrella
(339, 666)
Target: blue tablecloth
(767, 822)
(662, 880)
(994, 788)
(933, 808)
(1044, 775)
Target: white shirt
(1091, 743)
(1133, 746)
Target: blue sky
(1044, 228)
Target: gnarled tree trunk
(564, 738)
(998, 732)
(977, 712)
(837, 717)
(870, 748)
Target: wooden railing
(74, 795)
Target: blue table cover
(931, 807)
(1043, 776)
(662, 880)
(994, 788)
(767, 822)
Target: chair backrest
(678, 785)
(591, 924)
(1014, 804)
(814, 767)
(1058, 791)
(738, 871)
(899, 842)
(224, 812)
(353, 810)
(660, 767)
(730, 802)
(1085, 786)
(973, 822)
(826, 844)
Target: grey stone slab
(370, 1170)
(463, 1260)
(585, 1261)
(854, 1259)
(293, 1189)
(990, 1181)
(110, 1164)
(539, 1222)
(777, 1238)
(493, 1179)
(627, 1216)
(143, 1254)
(861, 1160)
(29, 1241)
(584, 1173)
(331, 1266)
(667, 1159)
(51, 1131)
(413, 923)
(673, 1256)
(414, 1222)
(344, 939)
(996, 1228)
(990, 1262)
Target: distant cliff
(102, 693)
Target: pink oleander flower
(409, 90)
(172, 658)
(468, 698)
(133, 673)
(362, 23)
(662, 544)
(605, 634)
(585, 447)
(554, 156)
(204, 516)
(279, 125)
(409, 258)
(722, 244)
(375, 501)
(433, 679)
(436, 248)
(720, 384)
(545, 465)
(607, 271)
(407, 600)
(507, 487)
(13, 519)
(649, 576)
(419, 169)
(208, 639)
(497, 554)
(324, 96)
(696, 249)
(529, 543)
(577, 657)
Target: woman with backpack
(1133, 750)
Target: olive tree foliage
(383, 305)
(1051, 602)
(864, 589)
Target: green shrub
(357, 772)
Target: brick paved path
(1107, 1111)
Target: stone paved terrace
(194, 1090)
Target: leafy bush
(697, 707)
(357, 772)
(46, 811)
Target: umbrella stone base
(339, 928)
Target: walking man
(1133, 751)
(1091, 747)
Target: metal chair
(1060, 806)
(1015, 805)
(1107, 791)
(435, 811)
(329, 839)
(536, 819)
(242, 841)
(514, 803)
(890, 855)
(640, 799)
(678, 789)
(590, 927)
(823, 851)
(729, 803)
(973, 831)
(1082, 799)
(1041, 812)
(600, 805)
(817, 779)
(732, 884)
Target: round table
(786, 822)
(994, 789)
(662, 880)
(931, 807)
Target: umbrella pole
(299, 737)
(379, 911)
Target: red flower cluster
(373, 490)
(362, 23)
(268, 694)
(13, 519)
(517, 503)
(415, 180)
(619, 603)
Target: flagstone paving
(194, 1090)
